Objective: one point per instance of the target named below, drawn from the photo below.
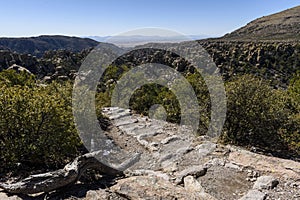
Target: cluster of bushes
(257, 114)
(36, 123)
(37, 126)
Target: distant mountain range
(39, 45)
(144, 37)
(134, 40)
(284, 25)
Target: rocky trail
(175, 164)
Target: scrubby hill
(174, 163)
(284, 25)
(38, 45)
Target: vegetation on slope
(281, 26)
(36, 123)
(258, 115)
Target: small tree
(256, 113)
(291, 130)
(36, 123)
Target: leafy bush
(294, 92)
(258, 115)
(36, 122)
(11, 78)
(291, 130)
(203, 98)
(151, 94)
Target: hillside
(39, 45)
(284, 25)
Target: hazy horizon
(108, 18)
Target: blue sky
(110, 17)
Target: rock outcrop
(8, 58)
(276, 61)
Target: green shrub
(36, 123)
(256, 114)
(294, 93)
(291, 131)
(12, 78)
(151, 94)
(203, 98)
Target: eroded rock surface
(173, 155)
(176, 164)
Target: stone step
(127, 120)
(130, 129)
(114, 113)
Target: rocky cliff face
(8, 58)
(274, 61)
(284, 25)
(52, 65)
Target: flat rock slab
(195, 171)
(254, 195)
(206, 148)
(154, 188)
(96, 195)
(265, 183)
(277, 166)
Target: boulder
(192, 185)
(254, 195)
(96, 195)
(62, 78)
(6, 197)
(265, 183)
(195, 171)
(206, 148)
(18, 69)
(47, 79)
